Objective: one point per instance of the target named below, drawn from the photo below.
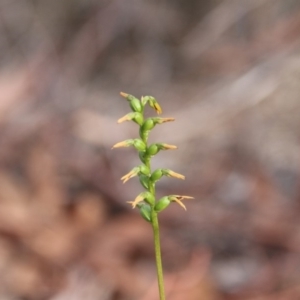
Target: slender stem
(159, 267)
(155, 227)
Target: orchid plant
(146, 201)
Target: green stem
(159, 267)
(155, 227)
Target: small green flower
(164, 202)
(134, 103)
(151, 122)
(157, 174)
(144, 180)
(144, 196)
(145, 211)
(142, 156)
(134, 116)
(136, 143)
(142, 169)
(155, 148)
(148, 125)
(152, 149)
(153, 103)
(139, 145)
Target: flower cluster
(146, 201)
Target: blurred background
(228, 71)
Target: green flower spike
(146, 201)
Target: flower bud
(144, 170)
(139, 145)
(142, 156)
(149, 198)
(139, 119)
(136, 143)
(152, 149)
(144, 100)
(148, 124)
(162, 204)
(145, 211)
(155, 148)
(134, 103)
(144, 180)
(134, 116)
(144, 196)
(156, 175)
(144, 134)
(152, 102)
